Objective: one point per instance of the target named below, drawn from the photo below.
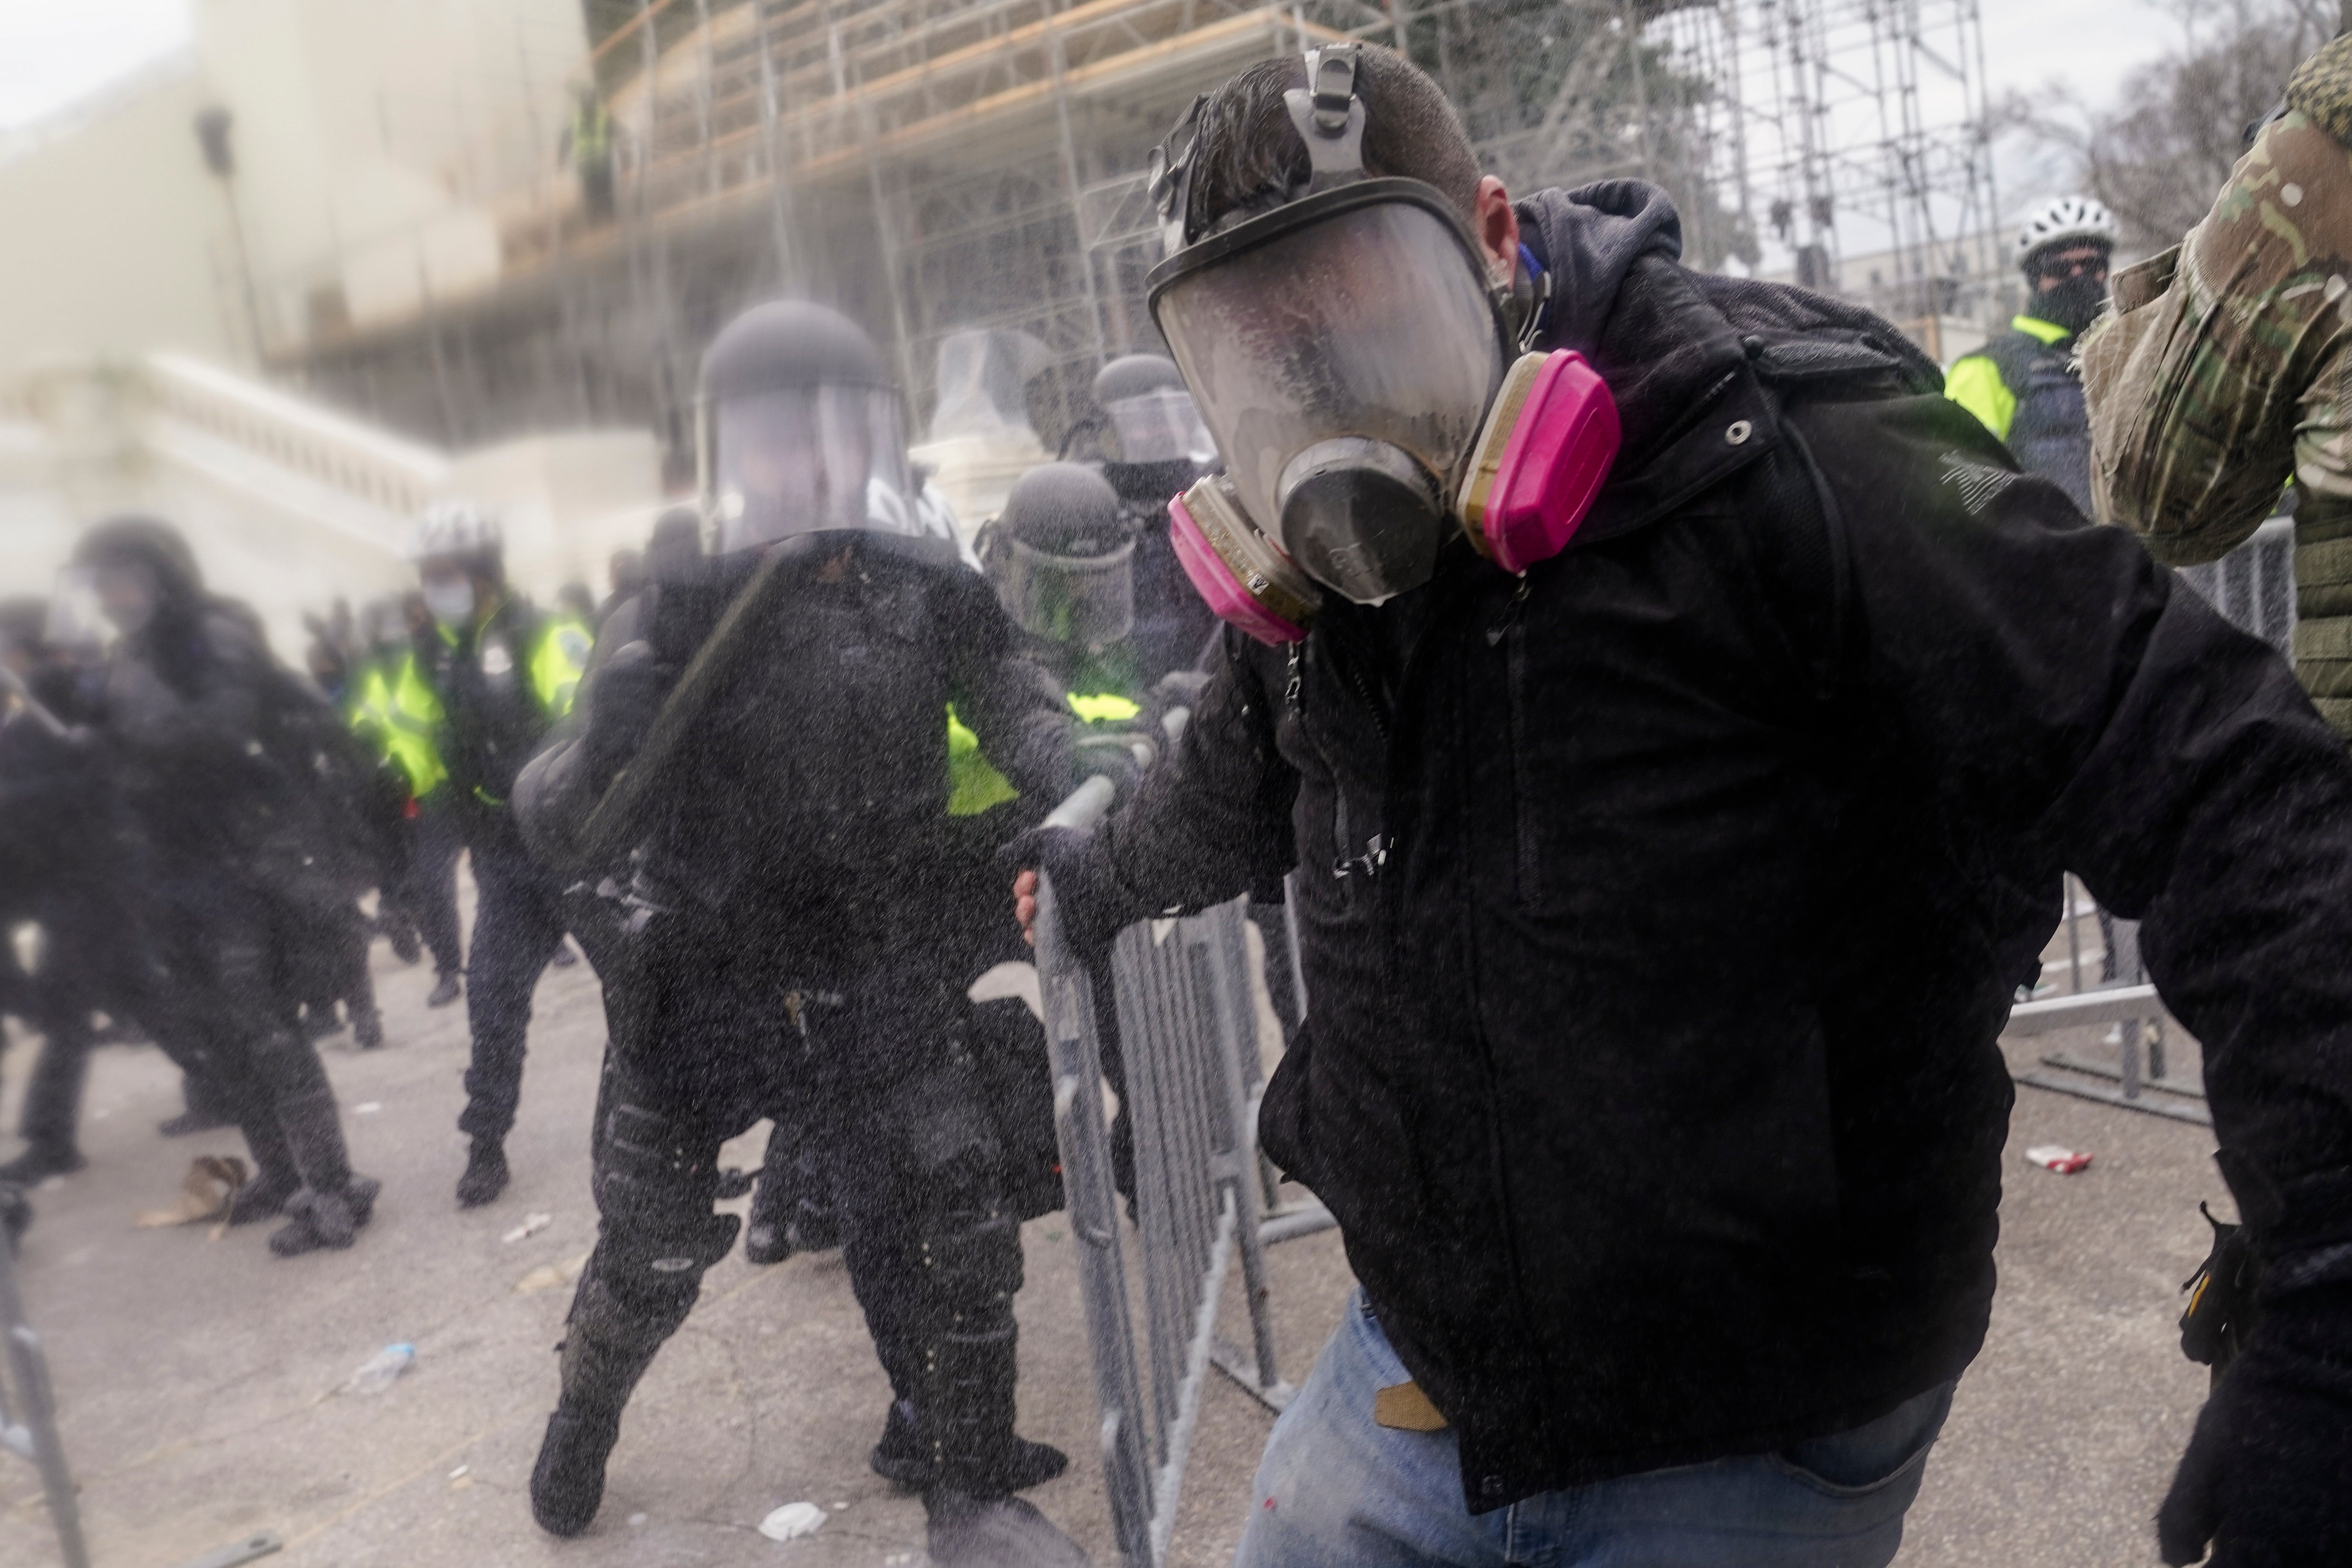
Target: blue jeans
(1337, 1490)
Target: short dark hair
(1248, 154)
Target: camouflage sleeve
(2228, 364)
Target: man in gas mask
(1678, 716)
(1162, 447)
(194, 726)
(760, 780)
(482, 685)
(2023, 384)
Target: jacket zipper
(1527, 867)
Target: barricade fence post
(1182, 992)
(1075, 1055)
(28, 1416)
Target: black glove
(1091, 909)
(2265, 1477)
(624, 696)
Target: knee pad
(972, 1260)
(655, 1196)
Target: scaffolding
(1859, 129)
(935, 166)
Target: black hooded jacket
(1660, 911)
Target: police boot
(767, 1229)
(816, 1219)
(606, 1351)
(334, 1204)
(486, 1173)
(901, 1457)
(276, 1178)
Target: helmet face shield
(1360, 316)
(1160, 426)
(1086, 600)
(805, 460)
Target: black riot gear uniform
(196, 717)
(1162, 447)
(768, 948)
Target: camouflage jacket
(2228, 368)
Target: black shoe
(446, 990)
(405, 945)
(564, 957)
(486, 1173)
(189, 1121)
(263, 1198)
(367, 1030)
(567, 1484)
(969, 1532)
(901, 1456)
(38, 1164)
(325, 1221)
(320, 1022)
(766, 1244)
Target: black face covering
(2072, 304)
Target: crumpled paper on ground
(205, 1191)
(792, 1521)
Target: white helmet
(456, 529)
(2068, 219)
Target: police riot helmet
(1151, 412)
(126, 571)
(1062, 558)
(802, 431)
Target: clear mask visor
(1373, 322)
(1160, 427)
(1086, 601)
(808, 460)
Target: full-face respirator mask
(1346, 349)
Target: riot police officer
(775, 716)
(484, 682)
(207, 737)
(1162, 447)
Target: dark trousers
(706, 1041)
(334, 962)
(518, 925)
(96, 955)
(229, 1011)
(431, 894)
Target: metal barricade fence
(28, 1417)
(1188, 1031)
